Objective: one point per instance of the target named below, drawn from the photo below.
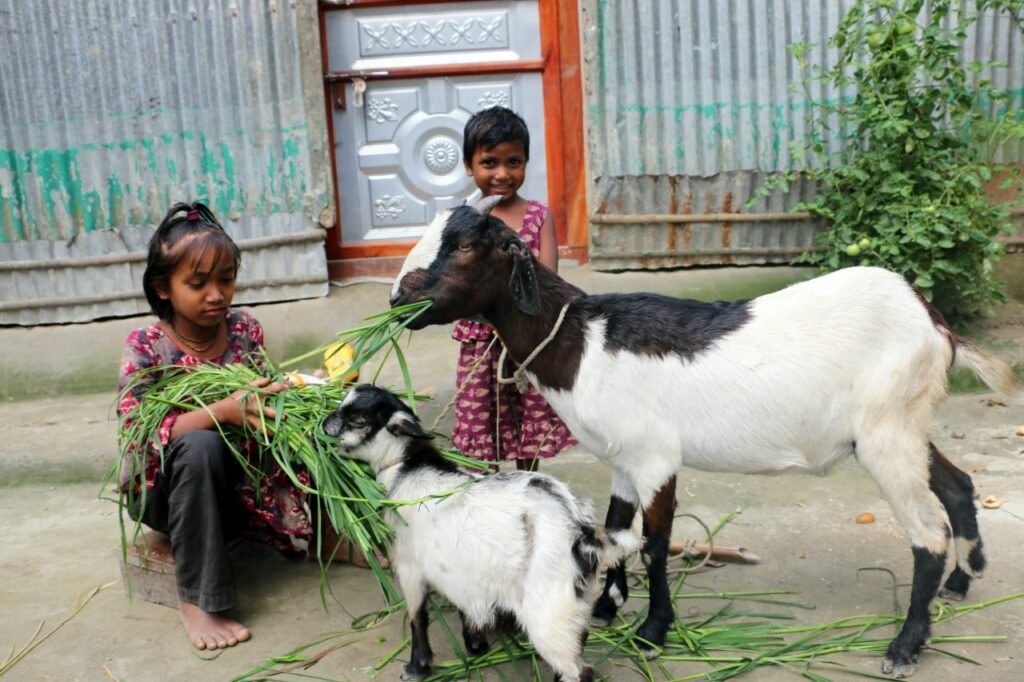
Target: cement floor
(60, 541)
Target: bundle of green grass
(348, 494)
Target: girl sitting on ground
(194, 488)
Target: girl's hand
(244, 406)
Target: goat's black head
(462, 263)
(368, 422)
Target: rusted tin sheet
(692, 102)
(112, 110)
(663, 245)
(100, 274)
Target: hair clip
(192, 215)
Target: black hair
(182, 221)
(490, 127)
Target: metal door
(398, 140)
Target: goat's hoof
(476, 645)
(604, 610)
(899, 670)
(651, 638)
(951, 595)
(648, 651)
(414, 671)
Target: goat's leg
(657, 532)
(621, 511)
(901, 657)
(900, 466)
(415, 591)
(955, 490)
(475, 640)
(555, 638)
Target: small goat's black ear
(401, 425)
(522, 286)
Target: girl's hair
(490, 127)
(197, 223)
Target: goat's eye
(465, 246)
(357, 422)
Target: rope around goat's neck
(519, 376)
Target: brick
(148, 570)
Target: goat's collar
(519, 376)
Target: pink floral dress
(526, 425)
(276, 508)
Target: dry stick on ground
(13, 658)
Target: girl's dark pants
(193, 500)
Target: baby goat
(853, 362)
(513, 544)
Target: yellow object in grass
(299, 380)
(337, 359)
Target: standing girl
(194, 488)
(496, 422)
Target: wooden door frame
(562, 81)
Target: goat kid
(514, 544)
(853, 362)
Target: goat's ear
(403, 425)
(522, 287)
(332, 425)
(487, 204)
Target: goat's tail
(618, 545)
(997, 374)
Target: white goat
(513, 545)
(854, 362)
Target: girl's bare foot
(211, 630)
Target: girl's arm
(549, 243)
(240, 407)
(140, 357)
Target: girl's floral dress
(276, 509)
(527, 425)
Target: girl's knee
(200, 441)
(201, 449)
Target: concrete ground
(59, 540)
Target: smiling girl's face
(499, 171)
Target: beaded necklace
(196, 345)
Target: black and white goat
(853, 362)
(514, 545)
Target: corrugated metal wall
(692, 102)
(112, 110)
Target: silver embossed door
(412, 76)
